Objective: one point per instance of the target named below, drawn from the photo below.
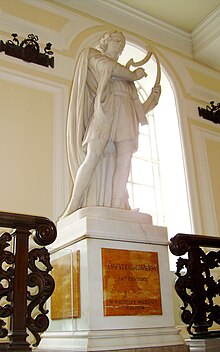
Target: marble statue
(102, 128)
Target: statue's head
(112, 42)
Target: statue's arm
(100, 62)
(121, 72)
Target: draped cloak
(99, 105)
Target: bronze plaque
(131, 282)
(65, 301)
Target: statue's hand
(153, 98)
(139, 73)
(156, 92)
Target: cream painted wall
(213, 150)
(26, 143)
(205, 80)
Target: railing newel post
(18, 333)
(196, 287)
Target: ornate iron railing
(195, 284)
(25, 282)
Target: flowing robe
(101, 107)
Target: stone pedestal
(118, 304)
(204, 345)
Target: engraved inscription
(131, 282)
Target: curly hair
(107, 37)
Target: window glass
(157, 182)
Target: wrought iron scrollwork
(6, 280)
(211, 113)
(25, 283)
(195, 284)
(28, 50)
(40, 279)
(45, 234)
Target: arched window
(157, 183)
(144, 184)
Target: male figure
(103, 120)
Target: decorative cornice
(206, 31)
(61, 39)
(130, 19)
(206, 40)
(201, 43)
(9, 23)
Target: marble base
(88, 231)
(109, 224)
(112, 340)
(204, 345)
(176, 348)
